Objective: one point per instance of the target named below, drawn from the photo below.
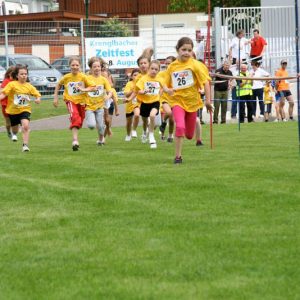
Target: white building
(12, 7)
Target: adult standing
(258, 87)
(258, 46)
(221, 93)
(200, 48)
(244, 91)
(235, 72)
(238, 47)
(283, 90)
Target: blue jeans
(234, 103)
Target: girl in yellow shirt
(75, 85)
(131, 105)
(18, 108)
(149, 89)
(185, 76)
(94, 112)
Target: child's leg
(129, 124)
(190, 124)
(179, 118)
(99, 115)
(90, 118)
(136, 118)
(153, 114)
(25, 131)
(145, 124)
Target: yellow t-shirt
(268, 94)
(95, 100)
(131, 105)
(152, 85)
(18, 97)
(114, 92)
(70, 81)
(165, 97)
(186, 78)
(137, 78)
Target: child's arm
(115, 104)
(208, 105)
(2, 96)
(37, 100)
(86, 89)
(55, 101)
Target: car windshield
(33, 63)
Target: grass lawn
(122, 222)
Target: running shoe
(127, 138)
(25, 148)
(170, 140)
(178, 160)
(14, 138)
(144, 138)
(133, 134)
(199, 143)
(75, 146)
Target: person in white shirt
(258, 87)
(200, 48)
(238, 47)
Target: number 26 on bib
(182, 79)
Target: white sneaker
(127, 138)
(25, 148)
(276, 120)
(14, 138)
(153, 145)
(284, 120)
(75, 146)
(261, 116)
(133, 134)
(144, 138)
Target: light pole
(86, 4)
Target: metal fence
(54, 42)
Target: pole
(87, 2)
(298, 67)
(239, 86)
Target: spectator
(235, 69)
(221, 93)
(200, 48)
(258, 46)
(258, 87)
(244, 91)
(237, 49)
(283, 91)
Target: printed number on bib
(98, 93)
(72, 88)
(182, 79)
(152, 88)
(21, 100)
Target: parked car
(62, 64)
(41, 75)
(2, 74)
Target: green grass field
(46, 109)
(122, 222)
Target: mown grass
(122, 222)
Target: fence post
(82, 45)
(154, 36)
(218, 36)
(6, 43)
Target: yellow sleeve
(107, 85)
(8, 89)
(128, 87)
(88, 81)
(34, 92)
(201, 73)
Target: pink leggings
(185, 122)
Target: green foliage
(114, 27)
(122, 222)
(201, 5)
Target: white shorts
(107, 103)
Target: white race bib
(72, 88)
(152, 87)
(21, 100)
(182, 79)
(98, 93)
(134, 100)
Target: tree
(114, 27)
(201, 5)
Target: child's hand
(116, 112)
(37, 100)
(55, 102)
(209, 107)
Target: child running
(94, 112)
(269, 95)
(111, 103)
(75, 84)
(132, 107)
(18, 108)
(149, 89)
(8, 78)
(185, 76)
(166, 101)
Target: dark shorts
(147, 107)
(111, 109)
(268, 108)
(283, 94)
(16, 119)
(130, 114)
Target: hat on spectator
(284, 61)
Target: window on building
(45, 8)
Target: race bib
(21, 100)
(98, 93)
(72, 88)
(134, 100)
(182, 79)
(152, 87)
